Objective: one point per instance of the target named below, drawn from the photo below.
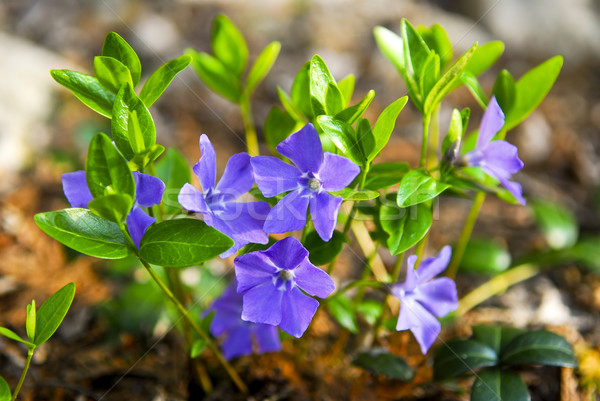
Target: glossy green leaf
(457, 357)
(85, 232)
(341, 309)
(390, 44)
(473, 85)
(88, 89)
(346, 87)
(446, 82)
(343, 136)
(261, 67)
(334, 100)
(415, 52)
(437, 40)
(182, 243)
(352, 113)
(539, 347)
(278, 126)
(5, 394)
(113, 207)
(111, 73)
(319, 80)
(132, 125)
(383, 175)
(116, 47)
(499, 385)
(216, 76)
(356, 195)
(365, 138)
(504, 90)
(174, 171)
(286, 101)
(30, 320)
(381, 361)
(229, 45)
(484, 256)
(52, 313)
(382, 130)
(405, 226)
(484, 57)
(107, 171)
(161, 78)
(321, 252)
(430, 74)
(495, 337)
(300, 92)
(15, 337)
(531, 89)
(418, 186)
(558, 224)
(142, 160)
(197, 348)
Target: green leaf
(229, 45)
(15, 337)
(391, 45)
(586, 253)
(197, 348)
(300, 93)
(350, 194)
(322, 252)
(385, 125)
(384, 175)
(499, 385)
(278, 126)
(365, 138)
(446, 82)
(289, 107)
(495, 337)
(346, 87)
(85, 232)
(343, 136)
(319, 80)
(216, 76)
(430, 74)
(111, 73)
(116, 47)
(473, 85)
(457, 357)
(140, 161)
(182, 243)
(455, 133)
(113, 207)
(262, 66)
(88, 89)
(334, 100)
(405, 227)
(415, 52)
(370, 309)
(484, 256)
(504, 90)
(539, 347)
(342, 311)
(132, 125)
(52, 312)
(107, 171)
(558, 224)
(352, 113)
(161, 78)
(437, 40)
(174, 171)
(30, 321)
(382, 362)
(418, 186)
(5, 394)
(484, 57)
(531, 89)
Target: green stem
(434, 138)
(251, 137)
(465, 235)
(23, 374)
(495, 286)
(426, 123)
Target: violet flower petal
(424, 326)
(289, 214)
(297, 311)
(262, 304)
(206, 168)
(238, 178)
(514, 188)
(137, 223)
(267, 337)
(273, 176)
(337, 172)
(76, 188)
(238, 342)
(148, 189)
(228, 309)
(253, 269)
(243, 222)
(491, 123)
(324, 209)
(303, 148)
(501, 155)
(287, 253)
(313, 280)
(192, 199)
(431, 267)
(438, 296)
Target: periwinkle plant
(119, 210)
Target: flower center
(314, 184)
(286, 275)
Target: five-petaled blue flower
(315, 173)
(242, 221)
(497, 158)
(148, 192)
(241, 337)
(271, 280)
(423, 298)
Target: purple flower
(240, 335)
(148, 192)
(497, 158)
(423, 298)
(271, 280)
(315, 174)
(242, 221)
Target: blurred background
(45, 131)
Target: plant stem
(23, 374)
(434, 138)
(251, 137)
(465, 235)
(495, 286)
(426, 123)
